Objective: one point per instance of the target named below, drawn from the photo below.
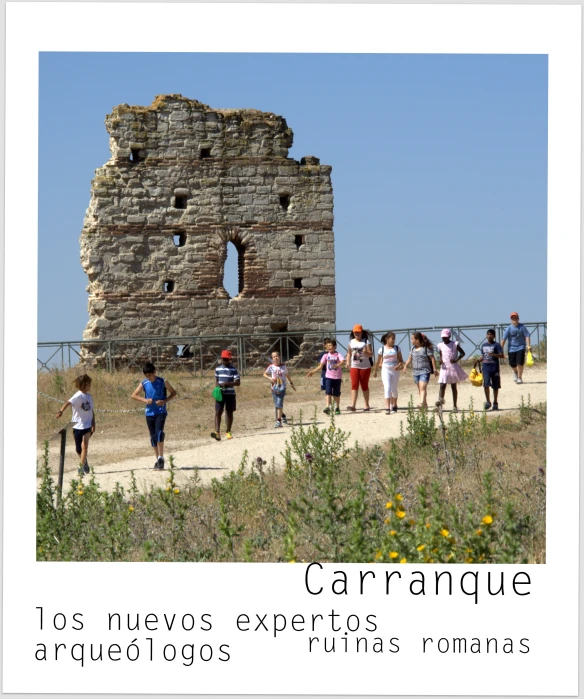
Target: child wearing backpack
(333, 362)
(390, 360)
(423, 364)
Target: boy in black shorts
(491, 352)
(226, 377)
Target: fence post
(63, 434)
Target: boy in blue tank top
(157, 393)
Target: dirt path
(113, 462)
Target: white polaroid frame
(268, 662)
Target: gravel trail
(113, 462)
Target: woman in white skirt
(450, 370)
(390, 360)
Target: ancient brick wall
(183, 180)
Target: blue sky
(439, 171)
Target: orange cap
(514, 314)
(226, 354)
(357, 328)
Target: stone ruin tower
(182, 182)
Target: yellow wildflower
(427, 525)
(393, 554)
(176, 491)
(421, 547)
(387, 520)
(399, 497)
(79, 492)
(131, 508)
(487, 519)
(388, 505)
(431, 560)
(401, 514)
(392, 532)
(445, 532)
(292, 561)
(469, 560)
(403, 560)
(479, 532)
(378, 555)
(168, 489)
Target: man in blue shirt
(519, 341)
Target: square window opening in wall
(180, 239)
(298, 241)
(180, 202)
(135, 155)
(168, 286)
(285, 202)
(298, 283)
(205, 153)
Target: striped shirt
(421, 363)
(224, 374)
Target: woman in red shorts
(359, 355)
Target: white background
(259, 663)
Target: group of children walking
(156, 392)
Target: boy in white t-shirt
(278, 375)
(83, 419)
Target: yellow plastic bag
(529, 361)
(475, 377)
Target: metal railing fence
(199, 355)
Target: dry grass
(190, 417)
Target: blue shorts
(491, 377)
(424, 378)
(156, 427)
(278, 397)
(332, 387)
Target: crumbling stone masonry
(183, 180)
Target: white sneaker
(515, 378)
(519, 381)
(278, 424)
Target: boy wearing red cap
(519, 340)
(226, 377)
